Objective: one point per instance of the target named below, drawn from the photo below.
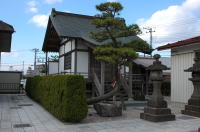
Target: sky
(172, 20)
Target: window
(67, 61)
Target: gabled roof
(68, 25)
(180, 43)
(6, 31)
(6, 27)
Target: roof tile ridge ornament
(53, 12)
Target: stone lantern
(156, 109)
(193, 107)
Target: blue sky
(29, 18)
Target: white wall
(53, 68)
(61, 64)
(82, 56)
(181, 87)
(82, 62)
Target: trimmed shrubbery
(62, 95)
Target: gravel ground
(132, 111)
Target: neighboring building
(6, 32)
(10, 81)
(29, 72)
(39, 70)
(182, 55)
(140, 74)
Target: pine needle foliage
(112, 28)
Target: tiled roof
(78, 26)
(147, 61)
(180, 43)
(6, 27)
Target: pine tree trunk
(110, 94)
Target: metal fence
(10, 88)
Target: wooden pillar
(102, 77)
(130, 79)
(75, 65)
(0, 60)
(46, 64)
(147, 83)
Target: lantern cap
(157, 65)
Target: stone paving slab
(41, 121)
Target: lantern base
(193, 107)
(191, 110)
(157, 114)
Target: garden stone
(108, 109)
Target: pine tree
(111, 30)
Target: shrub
(62, 95)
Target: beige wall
(181, 87)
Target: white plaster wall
(181, 87)
(61, 51)
(61, 64)
(68, 47)
(82, 62)
(73, 62)
(53, 68)
(73, 44)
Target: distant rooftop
(6, 27)
(180, 43)
(6, 31)
(147, 61)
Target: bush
(62, 95)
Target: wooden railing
(135, 77)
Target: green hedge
(62, 95)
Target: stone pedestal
(156, 109)
(157, 114)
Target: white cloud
(32, 3)
(175, 23)
(53, 1)
(12, 54)
(112, 0)
(33, 10)
(32, 6)
(40, 20)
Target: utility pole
(23, 67)
(35, 50)
(150, 31)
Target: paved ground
(16, 110)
